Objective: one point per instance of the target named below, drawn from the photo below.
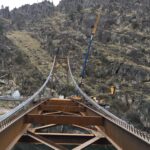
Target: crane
(94, 29)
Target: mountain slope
(120, 53)
(38, 57)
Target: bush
(1, 28)
(79, 8)
(19, 59)
(72, 16)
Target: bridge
(73, 123)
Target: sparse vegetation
(1, 28)
(119, 56)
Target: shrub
(1, 28)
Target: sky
(17, 3)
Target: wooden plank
(65, 108)
(57, 119)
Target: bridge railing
(108, 115)
(8, 118)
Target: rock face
(120, 53)
(27, 13)
(5, 13)
(71, 5)
(33, 12)
(20, 17)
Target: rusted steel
(46, 141)
(12, 125)
(51, 113)
(66, 139)
(65, 108)
(123, 138)
(56, 101)
(97, 123)
(118, 135)
(87, 143)
(43, 127)
(65, 134)
(57, 119)
(62, 113)
(141, 139)
(11, 134)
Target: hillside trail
(31, 47)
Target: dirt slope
(32, 48)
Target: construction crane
(94, 29)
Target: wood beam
(65, 108)
(57, 119)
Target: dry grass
(32, 49)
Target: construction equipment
(94, 28)
(112, 90)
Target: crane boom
(83, 73)
(96, 24)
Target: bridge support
(55, 125)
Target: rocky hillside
(17, 72)
(120, 53)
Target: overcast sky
(17, 3)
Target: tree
(79, 8)
(2, 7)
(1, 28)
(72, 16)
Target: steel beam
(65, 102)
(15, 129)
(10, 136)
(124, 138)
(57, 119)
(117, 134)
(87, 143)
(65, 108)
(66, 139)
(46, 141)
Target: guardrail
(108, 115)
(7, 118)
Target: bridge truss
(59, 123)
